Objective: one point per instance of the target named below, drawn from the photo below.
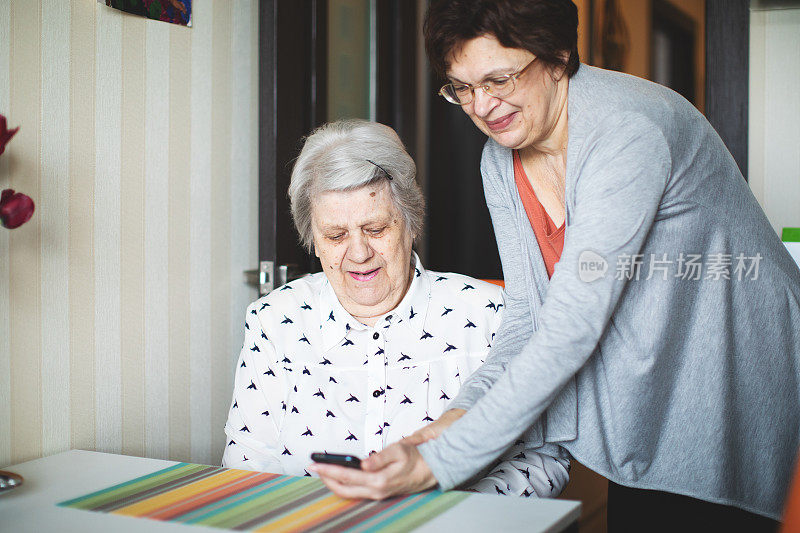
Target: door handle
(263, 277)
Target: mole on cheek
(372, 193)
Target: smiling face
(527, 116)
(364, 246)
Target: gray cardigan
(671, 383)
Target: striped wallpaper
(122, 300)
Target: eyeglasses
(499, 87)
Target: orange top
(791, 517)
(550, 238)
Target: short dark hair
(546, 28)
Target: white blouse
(311, 378)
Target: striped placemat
(255, 501)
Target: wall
(122, 300)
(637, 15)
(774, 136)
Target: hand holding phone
(350, 461)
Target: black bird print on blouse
(246, 325)
(437, 334)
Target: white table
(32, 507)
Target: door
(292, 90)
(324, 60)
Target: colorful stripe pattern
(255, 501)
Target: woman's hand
(434, 429)
(398, 469)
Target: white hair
(349, 154)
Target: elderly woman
(374, 347)
(653, 321)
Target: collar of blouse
(336, 323)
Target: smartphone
(350, 461)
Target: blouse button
(375, 335)
(376, 393)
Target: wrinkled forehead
(477, 58)
(367, 204)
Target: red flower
(15, 209)
(5, 134)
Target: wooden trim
(267, 105)
(727, 73)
